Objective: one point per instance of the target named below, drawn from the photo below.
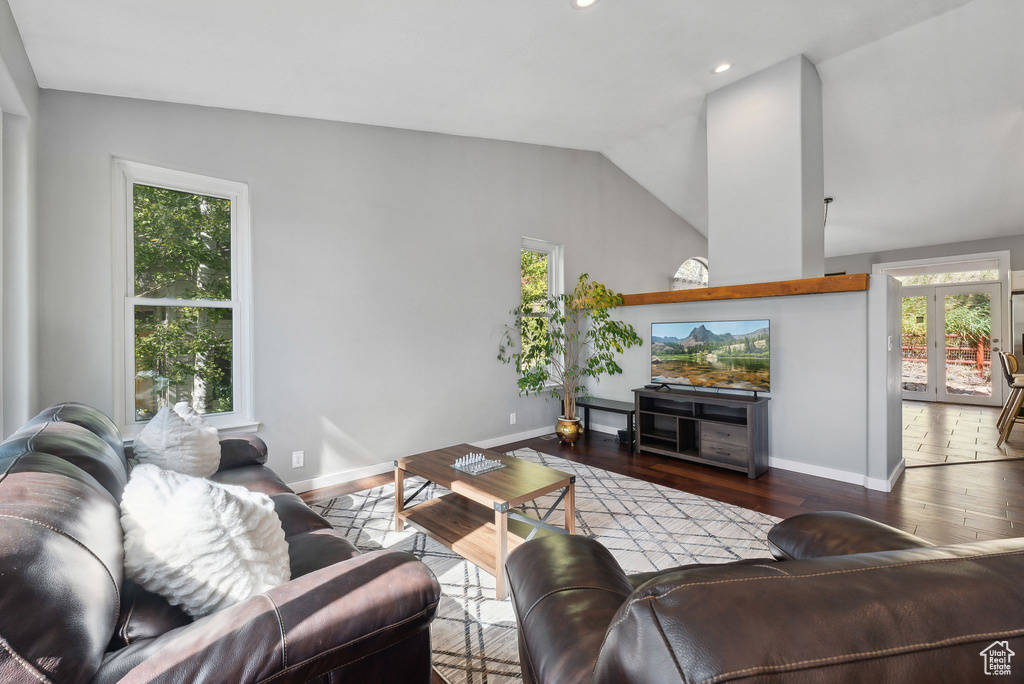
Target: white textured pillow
(189, 415)
(185, 445)
(201, 545)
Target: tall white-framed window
(540, 269)
(182, 296)
(540, 275)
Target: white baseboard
(816, 470)
(359, 473)
(895, 475)
(885, 485)
(539, 432)
(875, 483)
(606, 429)
(519, 436)
(340, 478)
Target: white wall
(825, 393)
(766, 176)
(861, 263)
(885, 404)
(19, 95)
(20, 285)
(384, 261)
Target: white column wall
(766, 176)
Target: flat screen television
(722, 354)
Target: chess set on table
(474, 464)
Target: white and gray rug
(645, 526)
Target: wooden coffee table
(475, 520)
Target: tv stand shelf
(728, 431)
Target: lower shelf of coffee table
(465, 527)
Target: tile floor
(936, 433)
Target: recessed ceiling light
(722, 67)
(581, 4)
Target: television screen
(726, 354)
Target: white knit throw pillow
(185, 444)
(201, 545)
(189, 415)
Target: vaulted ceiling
(924, 99)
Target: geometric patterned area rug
(645, 526)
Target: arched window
(692, 274)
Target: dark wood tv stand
(725, 430)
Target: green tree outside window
(182, 250)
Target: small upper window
(972, 271)
(692, 274)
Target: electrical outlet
(298, 459)
(511, 419)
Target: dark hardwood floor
(946, 505)
(958, 501)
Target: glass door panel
(969, 334)
(915, 347)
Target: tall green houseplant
(556, 343)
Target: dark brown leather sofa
(67, 614)
(846, 600)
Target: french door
(950, 336)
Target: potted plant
(558, 342)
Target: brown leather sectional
(846, 599)
(67, 614)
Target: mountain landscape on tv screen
(712, 355)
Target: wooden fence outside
(959, 351)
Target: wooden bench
(609, 406)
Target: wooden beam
(857, 282)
